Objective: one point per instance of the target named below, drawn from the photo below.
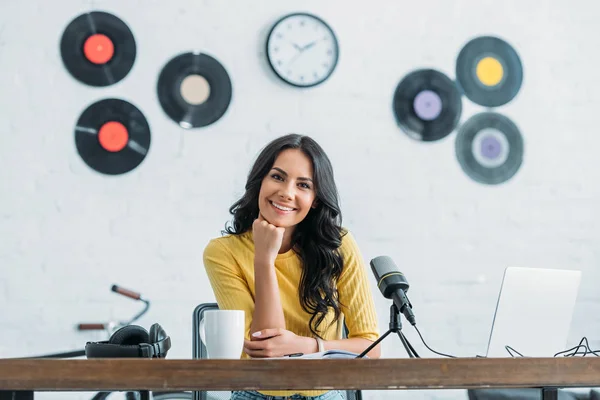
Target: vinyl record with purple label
(98, 49)
(112, 136)
(194, 90)
(427, 105)
(489, 71)
(489, 148)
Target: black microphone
(393, 285)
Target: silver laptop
(534, 311)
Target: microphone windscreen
(382, 266)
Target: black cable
(509, 349)
(423, 340)
(576, 349)
(572, 352)
(587, 349)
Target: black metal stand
(550, 393)
(16, 394)
(395, 327)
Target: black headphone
(132, 341)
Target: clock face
(302, 50)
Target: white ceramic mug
(222, 332)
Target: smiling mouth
(282, 208)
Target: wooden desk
(381, 374)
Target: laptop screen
(534, 311)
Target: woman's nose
(286, 192)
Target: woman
(287, 262)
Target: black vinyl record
(98, 49)
(489, 148)
(112, 136)
(194, 90)
(427, 105)
(489, 71)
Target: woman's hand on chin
(267, 241)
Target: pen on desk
(294, 355)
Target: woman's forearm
(268, 312)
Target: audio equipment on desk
(393, 285)
(132, 341)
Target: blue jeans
(251, 395)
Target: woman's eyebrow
(286, 174)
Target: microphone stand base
(395, 327)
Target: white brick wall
(67, 233)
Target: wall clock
(302, 49)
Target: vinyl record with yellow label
(489, 71)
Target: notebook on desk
(329, 354)
(533, 313)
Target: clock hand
(302, 49)
(297, 47)
(308, 46)
(294, 58)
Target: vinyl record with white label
(194, 90)
(489, 148)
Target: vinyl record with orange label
(98, 49)
(489, 71)
(489, 148)
(112, 136)
(427, 105)
(194, 90)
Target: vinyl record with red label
(112, 136)
(98, 49)
(489, 148)
(194, 90)
(427, 105)
(489, 71)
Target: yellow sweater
(229, 263)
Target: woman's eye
(305, 185)
(276, 176)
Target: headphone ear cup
(130, 335)
(159, 336)
(157, 333)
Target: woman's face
(287, 192)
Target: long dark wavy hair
(317, 237)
